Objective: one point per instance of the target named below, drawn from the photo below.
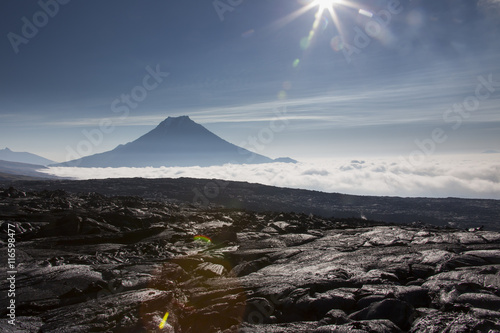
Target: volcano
(176, 141)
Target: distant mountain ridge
(23, 157)
(17, 170)
(176, 141)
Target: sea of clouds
(475, 176)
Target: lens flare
(323, 6)
(336, 44)
(203, 238)
(164, 321)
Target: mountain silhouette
(22, 171)
(23, 157)
(176, 141)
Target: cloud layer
(452, 176)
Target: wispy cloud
(414, 103)
(476, 176)
(90, 122)
(490, 5)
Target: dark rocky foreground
(90, 263)
(453, 212)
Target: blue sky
(347, 91)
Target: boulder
(398, 312)
(368, 300)
(321, 303)
(490, 256)
(414, 295)
(334, 317)
(68, 225)
(453, 322)
(209, 269)
(363, 326)
(484, 301)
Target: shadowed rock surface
(92, 263)
(453, 212)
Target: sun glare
(326, 15)
(325, 4)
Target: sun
(326, 13)
(325, 4)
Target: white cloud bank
(476, 176)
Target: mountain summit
(23, 157)
(176, 141)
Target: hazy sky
(380, 76)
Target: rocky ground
(91, 263)
(444, 212)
